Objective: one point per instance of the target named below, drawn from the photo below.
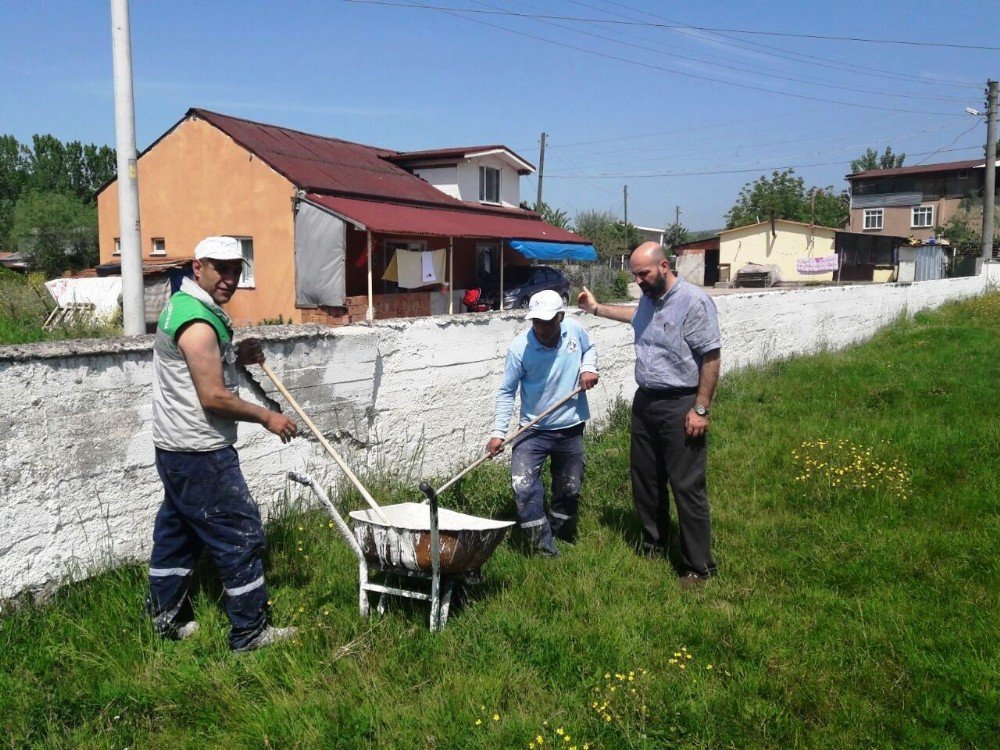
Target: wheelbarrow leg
(363, 605)
(446, 597)
(383, 598)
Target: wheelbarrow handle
(323, 441)
(508, 439)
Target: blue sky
(628, 102)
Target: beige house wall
(791, 241)
(195, 182)
(896, 219)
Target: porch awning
(553, 250)
(474, 222)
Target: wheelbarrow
(405, 541)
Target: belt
(667, 392)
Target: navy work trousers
(529, 453)
(207, 505)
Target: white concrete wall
(78, 490)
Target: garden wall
(78, 488)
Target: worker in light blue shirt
(546, 363)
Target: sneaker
(692, 580)
(187, 630)
(268, 636)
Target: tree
(554, 216)
(872, 160)
(785, 196)
(675, 235)
(609, 236)
(55, 231)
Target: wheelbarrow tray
(403, 540)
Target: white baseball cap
(544, 305)
(218, 248)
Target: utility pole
(989, 182)
(541, 174)
(133, 305)
(677, 216)
(625, 193)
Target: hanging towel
(427, 270)
(823, 264)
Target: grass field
(856, 501)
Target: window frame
(922, 210)
(484, 171)
(873, 213)
(247, 280)
(153, 253)
(118, 246)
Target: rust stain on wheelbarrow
(403, 539)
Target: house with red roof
(907, 201)
(334, 231)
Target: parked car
(519, 283)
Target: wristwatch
(701, 411)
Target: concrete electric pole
(625, 202)
(541, 174)
(989, 181)
(133, 305)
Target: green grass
(24, 306)
(843, 616)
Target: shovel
(506, 440)
(323, 441)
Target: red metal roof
(318, 163)
(947, 166)
(397, 218)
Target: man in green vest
(206, 503)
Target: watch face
(700, 410)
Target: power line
(673, 26)
(698, 173)
(651, 66)
(728, 67)
(784, 54)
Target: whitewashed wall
(78, 490)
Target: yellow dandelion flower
(496, 717)
(688, 656)
(677, 653)
(482, 708)
(560, 730)
(478, 722)
(709, 666)
(540, 740)
(302, 609)
(566, 738)
(683, 666)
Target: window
(922, 216)
(963, 175)
(118, 246)
(246, 245)
(159, 246)
(873, 218)
(489, 185)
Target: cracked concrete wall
(78, 488)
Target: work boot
(268, 636)
(546, 548)
(563, 529)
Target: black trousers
(662, 455)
